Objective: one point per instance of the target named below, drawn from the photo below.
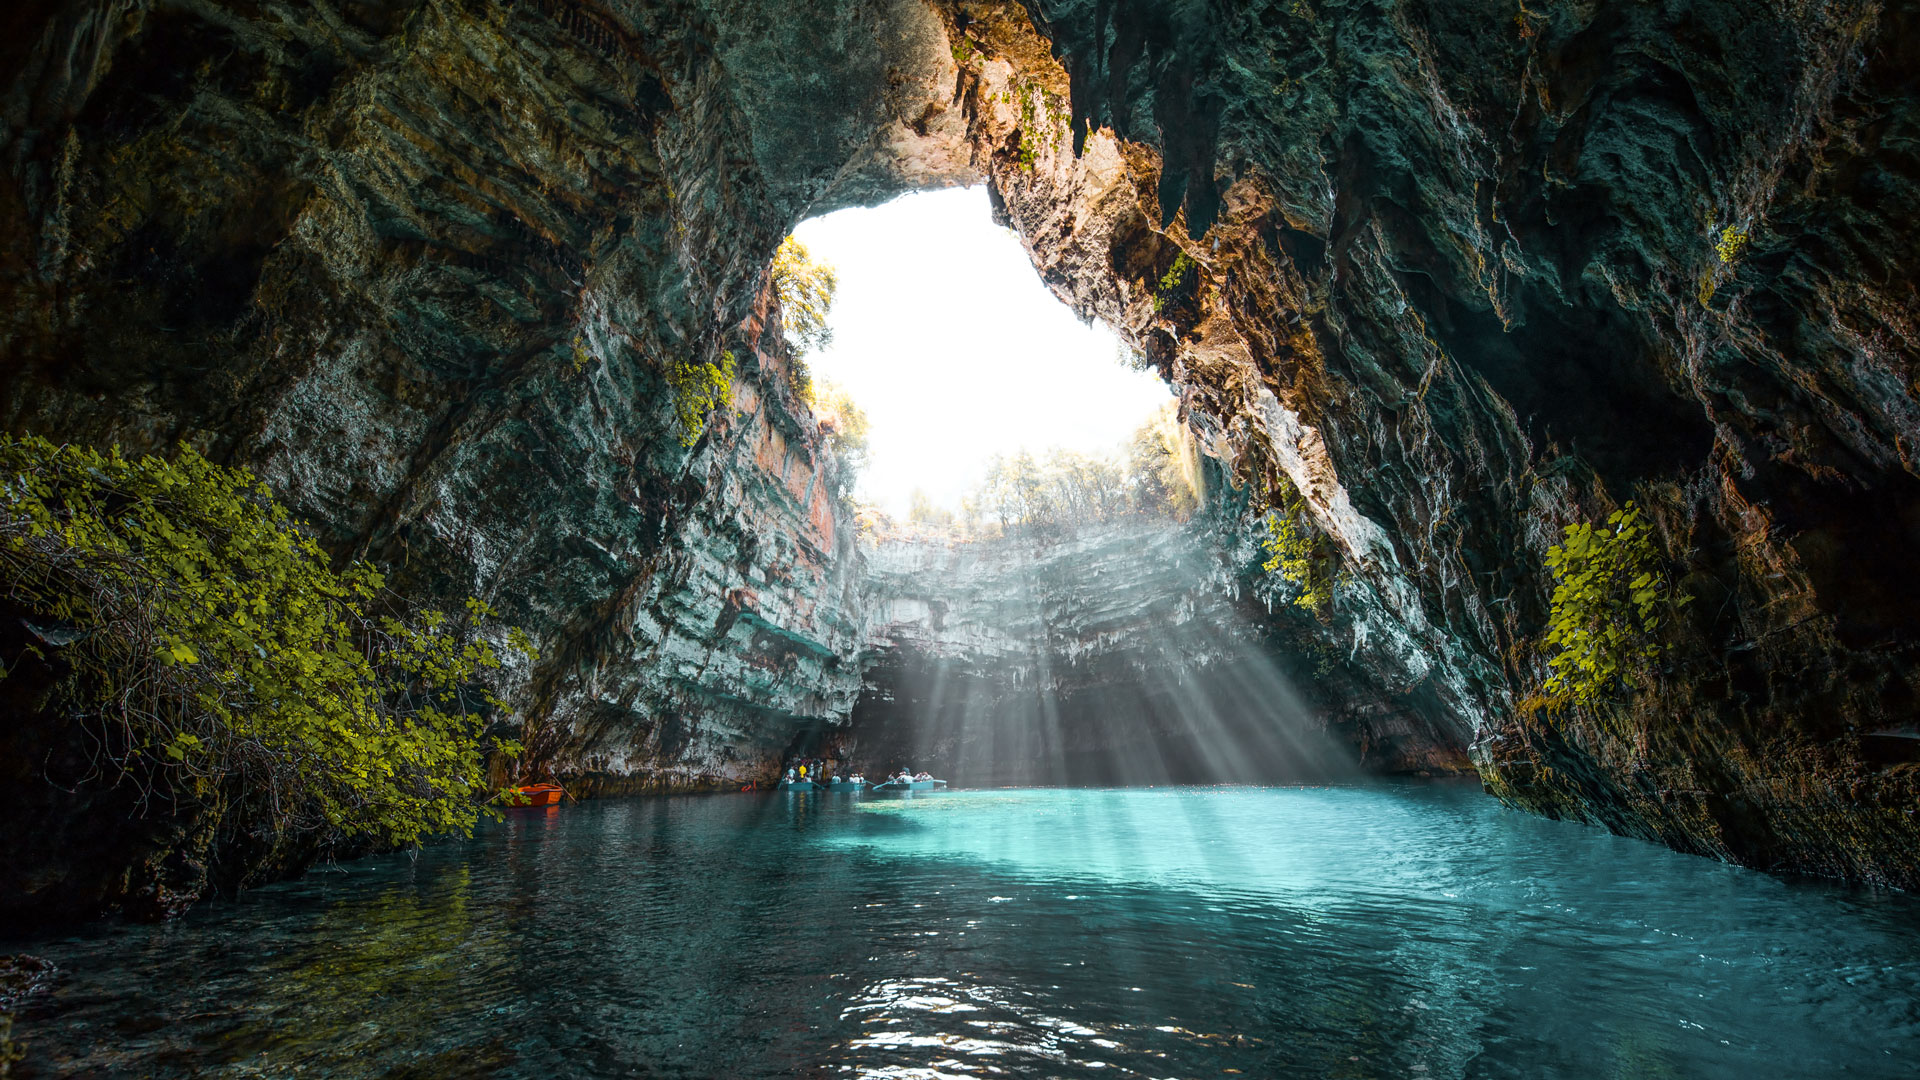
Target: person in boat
(789, 774)
(922, 776)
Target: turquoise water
(1408, 931)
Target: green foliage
(1732, 243)
(921, 510)
(1293, 553)
(1729, 244)
(965, 52)
(844, 424)
(1609, 597)
(806, 287)
(698, 389)
(1163, 467)
(212, 641)
(1158, 476)
(1043, 116)
(1290, 552)
(1050, 494)
(1175, 273)
(11, 1050)
(1171, 280)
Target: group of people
(815, 771)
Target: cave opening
(478, 294)
(958, 358)
(1052, 587)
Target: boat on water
(799, 785)
(840, 784)
(910, 785)
(535, 795)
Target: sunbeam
(1111, 657)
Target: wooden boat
(910, 785)
(535, 795)
(798, 785)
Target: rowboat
(911, 785)
(798, 785)
(535, 795)
(845, 785)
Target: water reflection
(1279, 933)
(373, 970)
(989, 1030)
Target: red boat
(536, 795)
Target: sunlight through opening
(944, 335)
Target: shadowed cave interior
(440, 276)
(1545, 380)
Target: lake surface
(1393, 931)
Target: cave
(1545, 380)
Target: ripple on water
(1336, 932)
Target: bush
(1290, 554)
(1609, 598)
(698, 389)
(1731, 244)
(1170, 281)
(207, 637)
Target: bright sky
(944, 334)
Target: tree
(921, 510)
(844, 424)
(1163, 467)
(806, 287)
(1064, 490)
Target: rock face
(1458, 275)
(424, 267)
(1464, 277)
(1131, 653)
(695, 675)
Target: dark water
(1414, 931)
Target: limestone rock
(1124, 653)
(1457, 275)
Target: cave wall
(1462, 279)
(1454, 279)
(423, 265)
(1132, 652)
